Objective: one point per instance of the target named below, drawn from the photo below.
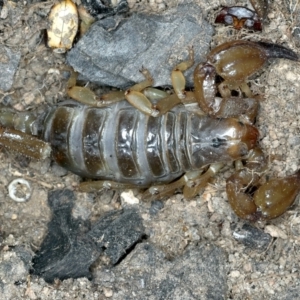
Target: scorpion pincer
(170, 145)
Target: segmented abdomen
(122, 144)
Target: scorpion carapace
(167, 144)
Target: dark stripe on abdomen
(126, 143)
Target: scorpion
(162, 142)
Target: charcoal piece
(113, 51)
(200, 273)
(66, 252)
(253, 237)
(119, 232)
(9, 61)
(105, 7)
(70, 247)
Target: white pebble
(129, 198)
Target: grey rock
(113, 51)
(199, 273)
(15, 264)
(9, 61)
(253, 237)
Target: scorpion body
(122, 144)
(164, 146)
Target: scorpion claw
(237, 60)
(278, 51)
(269, 201)
(234, 62)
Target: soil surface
(177, 224)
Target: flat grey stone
(113, 51)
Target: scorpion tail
(278, 51)
(16, 130)
(23, 143)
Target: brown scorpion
(166, 145)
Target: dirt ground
(40, 80)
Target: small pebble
(129, 198)
(156, 206)
(108, 293)
(235, 274)
(275, 232)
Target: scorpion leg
(178, 83)
(163, 190)
(140, 100)
(177, 77)
(140, 95)
(192, 182)
(269, 200)
(99, 185)
(154, 94)
(195, 184)
(137, 99)
(86, 96)
(166, 104)
(164, 101)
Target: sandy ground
(251, 274)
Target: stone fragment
(114, 50)
(252, 237)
